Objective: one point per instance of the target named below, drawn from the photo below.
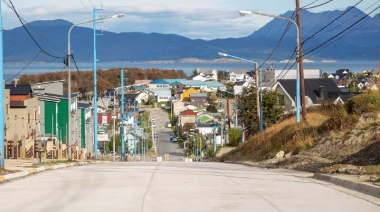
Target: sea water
(14, 70)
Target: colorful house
(185, 96)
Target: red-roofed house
(187, 116)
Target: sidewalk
(346, 181)
(21, 168)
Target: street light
(258, 91)
(113, 126)
(69, 81)
(2, 142)
(298, 81)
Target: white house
(160, 94)
(238, 75)
(206, 75)
(238, 86)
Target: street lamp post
(69, 80)
(2, 142)
(298, 81)
(259, 102)
(113, 128)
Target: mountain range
(354, 35)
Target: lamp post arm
(239, 58)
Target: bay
(14, 70)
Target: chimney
(321, 90)
(16, 80)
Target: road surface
(164, 145)
(177, 186)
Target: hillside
(358, 41)
(330, 142)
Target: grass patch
(372, 170)
(5, 171)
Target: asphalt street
(164, 145)
(177, 186)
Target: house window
(28, 118)
(281, 100)
(7, 111)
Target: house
(159, 94)
(214, 85)
(86, 126)
(270, 76)
(316, 92)
(23, 119)
(185, 96)
(53, 87)
(143, 83)
(164, 83)
(205, 119)
(238, 87)
(206, 75)
(237, 75)
(198, 99)
(129, 99)
(187, 116)
(53, 110)
(177, 107)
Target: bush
(364, 103)
(234, 136)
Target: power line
(24, 67)
(340, 33)
(331, 22)
(278, 42)
(307, 8)
(34, 40)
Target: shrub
(364, 103)
(234, 136)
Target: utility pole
(257, 98)
(2, 142)
(228, 114)
(300, 60)
(122, 115)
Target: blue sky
(196, 19)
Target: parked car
(173, 138)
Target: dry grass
(286, 135)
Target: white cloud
(191, 18)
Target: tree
(117, 143)
(222, 75)
(188, 127)
(272, 111)
(211, 109)
(234, 136)
(247, 109)
(247, 106)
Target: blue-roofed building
(164, 83)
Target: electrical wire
(331, 22)
(88, 11)
(35, 57)
(309, 4)
(324, 3)
(30, 35)
(340, 33)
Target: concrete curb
(356, 186)
(40, 169)
(364, 188)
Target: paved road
(164, 145)
(177, 186)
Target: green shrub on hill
(364, 103)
